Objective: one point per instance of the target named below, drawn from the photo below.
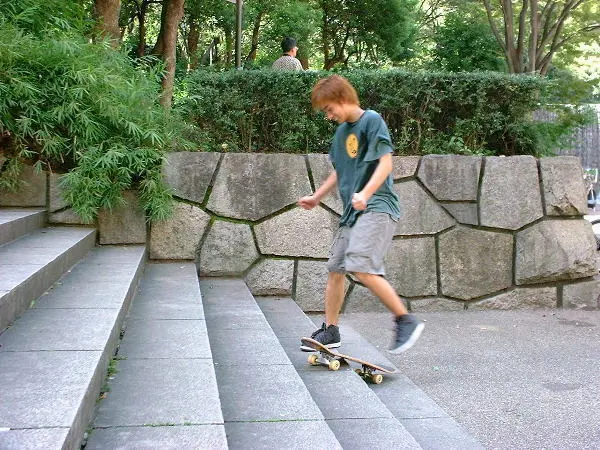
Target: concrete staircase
(62, 303)
(191, 364)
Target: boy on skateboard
(361, 154)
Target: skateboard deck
(332, 359)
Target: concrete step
(54, 358)
(17, 222)
(429, 424)
(265, 403)
(164, 394)
(32, 263)
(417, 413)
(357, 416)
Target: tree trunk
(172, 15)
(141, 49)
(106, 13)
(304, 61)
(255, 35)
(159, 46)
(534, 35)
(192, 43)
(228, 46)
(545, 33)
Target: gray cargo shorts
(362, 247)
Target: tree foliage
(366, 29)
(531, 32)
(464, 42)
(81, 108)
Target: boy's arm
(310, 201)
(384, 168)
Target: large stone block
(189, 173)
(463, 212)
(298, 232)
(66, 216)
(251, 186)
(179, 236)
(474, 263)
(555, 250)
(321, 167)
(55, 200)
(227, 250)
(421, 214)
(584, 295)
(271, 277)
(564, 189)
(311, 280)
(362, 299)
(123, 225)
(451, 177)
(543, 297)
(404, 166)
(32, 191)
(411, 267)
(435, 304)
(510, 192)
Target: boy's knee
(363, 277)
(360, 276)
(336, 276)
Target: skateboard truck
(366, 373)
(330, 361)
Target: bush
(468, 113)
(72, 106)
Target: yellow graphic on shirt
(352, 145)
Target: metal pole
(238, 34)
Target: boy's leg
(329, 333)
(384, 291)
(334, 297)
(369, 241)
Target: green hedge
(465, 113)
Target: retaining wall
(475, 232)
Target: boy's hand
(308, 202)
(359, 202)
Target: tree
(166, 46)
(137, 10)
(80, 108)
(295, 18)
(106, 13)
(530, 32)
(206, 24)
(366, 27)
(464, 42)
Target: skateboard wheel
(359, 372)
(334, 364)
(312, 359)
(377, 379)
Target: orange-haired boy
(361, 154)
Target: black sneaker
(408, 330)
(329, 336)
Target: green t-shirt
(354, 153)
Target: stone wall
(493, 232)
(475, 232)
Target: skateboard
(332, 359)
